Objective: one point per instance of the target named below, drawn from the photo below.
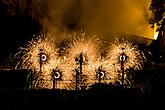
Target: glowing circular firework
(40, 55)
(122, 57)
(104, 71)
(128, 53)
(40, 48)
(101, 74)
(63, 76)
(43, 57)
(82, 56)
(57, 75)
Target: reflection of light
(155, 31)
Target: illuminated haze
(102, 17)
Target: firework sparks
(132, 57)
(82, 63)
(66, 79)
(82, 57)
(41, 45)
(41, 56)
(104, 71)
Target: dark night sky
(14, 31)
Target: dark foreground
(99, 98)
(14, 95)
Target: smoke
(105, 17)
(121, 16)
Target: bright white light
(57, 75)
(43, 57)
(101, 74)
(122, 58)
(155, 32)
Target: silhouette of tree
(158, 12)
(157, 21)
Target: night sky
(15, 31)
